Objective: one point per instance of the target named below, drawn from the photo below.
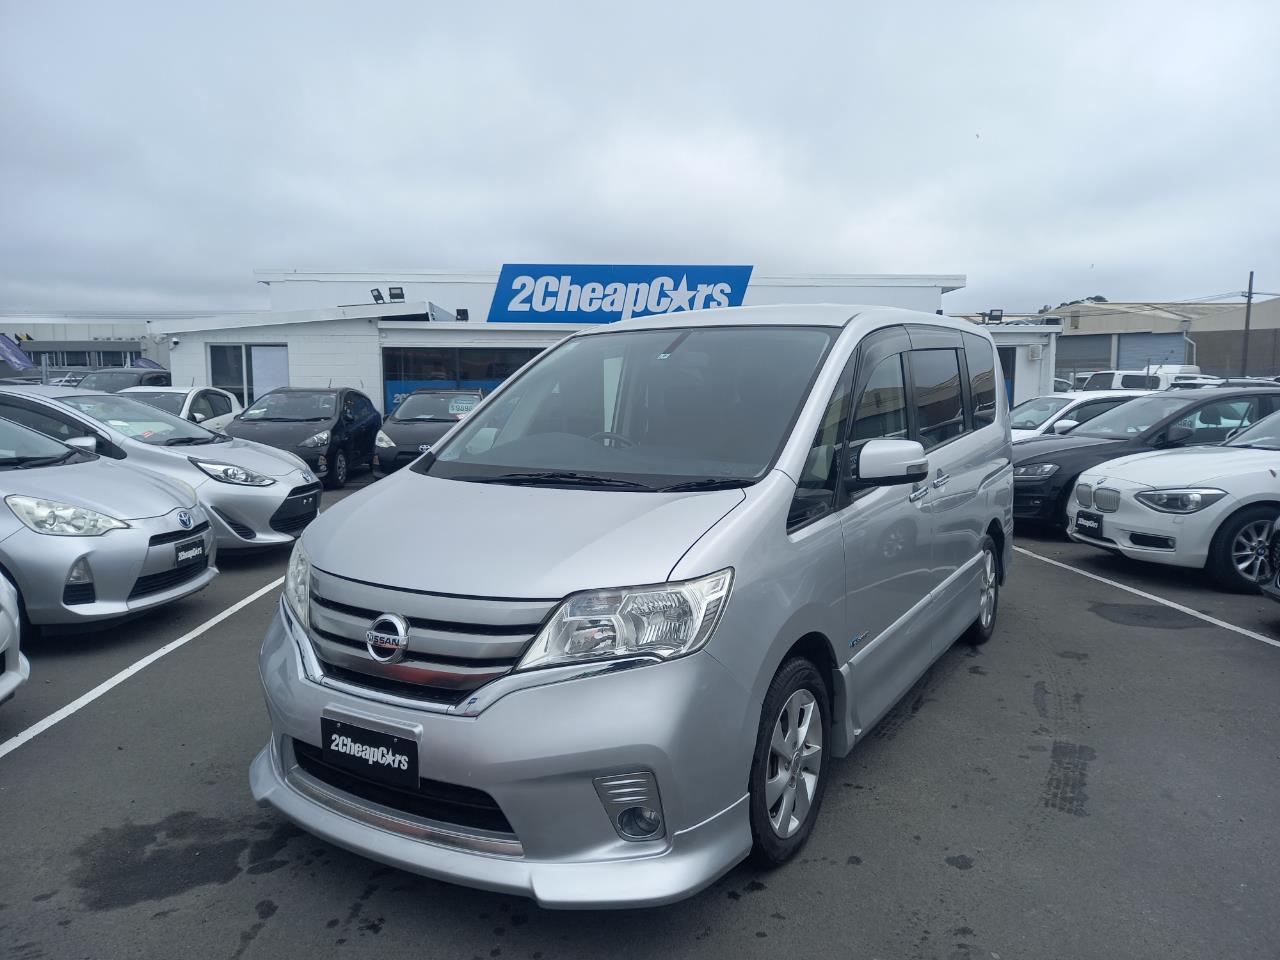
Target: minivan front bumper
(536, 752)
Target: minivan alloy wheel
(1249, 551)
(795, 763)
(987, 587)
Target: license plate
(188, 553)
(370, 753)
(1089, 524)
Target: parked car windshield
(140, 421)
(1263, 435)
(644, 409)
(436, 406)
(1030, 414)
(169, 402)
(109, 380)
(1132, 418)
(300, 405)
(22, 447)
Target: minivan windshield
(1263, 435)
(644, 409)
(21, 448)
(110, 380)
(437, 405)
(1132, 418)
(140, 421)
(293, 405)
(1032, 413)
(166, 400)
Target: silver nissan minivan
(606, 638)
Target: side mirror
(884, 462)
(1177, 435)
(1065, 425)
(198, 417)
(87, 444)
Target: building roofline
(271, 318)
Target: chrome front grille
(1106, 499)
(1084, 495)
(455, 645)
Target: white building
(388, 333)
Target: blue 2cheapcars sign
(603, 293)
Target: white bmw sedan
(1206, 507)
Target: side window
(51, 426)
(882, 408)
(935, 375)
(818, 484)
(348, 404)
(1212, 423)
(219, 404)
(1087, 411)
(201, 404)
(982, 379)
(365, 408)
(1131, 381)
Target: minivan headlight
(383, 441)
(297, 585)
(230, 473)
(660, 621)
(320, 439)
(61, 519)
(1187, 500)
(1034, 471)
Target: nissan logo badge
(387, 638)
(184, 520)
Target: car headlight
(382, 440)
(297, 585)
(1183, 500)
(656, 622)
(1034, 471)
(61, 519)
(230, 473)
(320, 439)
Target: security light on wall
(397, 294)
(377, 295)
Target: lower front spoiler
(695, 858)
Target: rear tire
(337, 478)
(984, 626)
(789, 768)
(1238, 556)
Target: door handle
(941, 481)
(918, 495)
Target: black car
(1045, 468)
(115, 380)
(333, 430)
(422, 418)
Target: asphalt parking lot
(1098, 781)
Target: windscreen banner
(604, 293)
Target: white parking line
(14, 742)
(1151, 596)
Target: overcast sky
(152, 156)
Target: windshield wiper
(186, 441)
(435, 419)
(557, 478)
(707, 483)
(23, 463)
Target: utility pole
(1248, 310)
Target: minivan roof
(800, 314)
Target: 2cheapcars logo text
(596, 293)
(362, 751)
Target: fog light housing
(631, 800)
(79, 587)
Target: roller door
(1137, 350)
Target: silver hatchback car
(608, 636)
(257, 496)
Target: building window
(405, 369)
(248, 370)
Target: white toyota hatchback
(1208, 507)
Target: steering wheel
(619, 439)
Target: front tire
(789, 768)
(984, 626)
(1238, 556)
(337, 478)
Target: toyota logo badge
(387, 638)
(184, 520)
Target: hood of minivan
(418, 532)
(277, 433)
(112, 488)
(1190, 466)
(257, 457)
(411, 433)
